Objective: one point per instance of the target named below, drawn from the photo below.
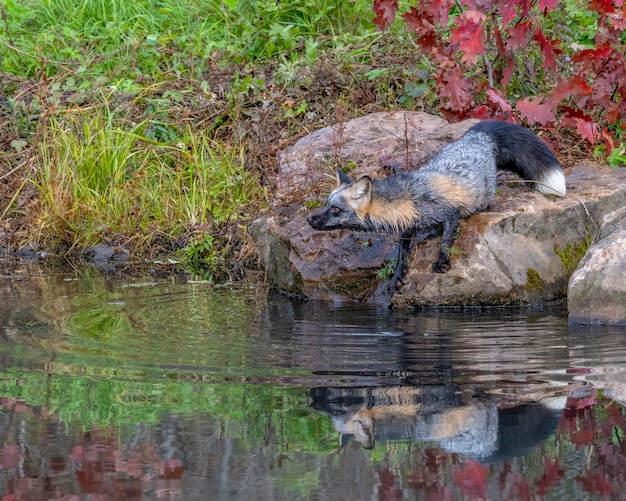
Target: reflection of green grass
(140, 326)
(245, 411)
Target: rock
(103, 256)
(597, 289)
(32, 252)
(522, 250)
(398, 139)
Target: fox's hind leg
(449, 232)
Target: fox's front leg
(449, 232)
(386, 289)
(408, 239)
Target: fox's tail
(519, 150)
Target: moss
(350, 286)
(313, 204)
(572, 254)
(534, 282)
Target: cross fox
(458, 182)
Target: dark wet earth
(148, 388)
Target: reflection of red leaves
(536, 110)
(581, 437)
(595, 483)
(10, 457)
(519, 487)
(385, 11)
(389, 488)
(551, 475)
(472, 479)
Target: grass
(135, 116)
(155, 125)
(101, 178)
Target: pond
(164, 388)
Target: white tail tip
(552, 183)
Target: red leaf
(535, 111)
(499, 42)
(507, 72)
(587, 130)
(469, 35)
(439, 9)
(385, 13)
(481, 112)
(508, 12)
(618, 19)
(423, 25)
(518, 36)
(590, 58)
(549, 48)
(547, 5)
(482, 5)
(457, 89)
(601, 6)
(525, 6)
(574, 85)
(496, 99)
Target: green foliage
(120, 39)
(388, 270)
(104, 176)
(244, 411)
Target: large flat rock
(522, 250)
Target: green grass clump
(103, 178)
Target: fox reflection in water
(472, 425)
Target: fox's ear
(360, 192)
(342, 178)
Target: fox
(458, 182)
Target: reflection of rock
(453, 419)
(519, 251)
(597, 289)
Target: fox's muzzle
(317, 220)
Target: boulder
(597, 289)
(522, 250)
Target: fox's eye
(335, 210)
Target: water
(152, 388)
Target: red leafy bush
(517, 60)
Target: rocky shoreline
(525, 249)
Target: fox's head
(346, 205)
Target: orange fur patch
(454, 193)
(396, 216)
